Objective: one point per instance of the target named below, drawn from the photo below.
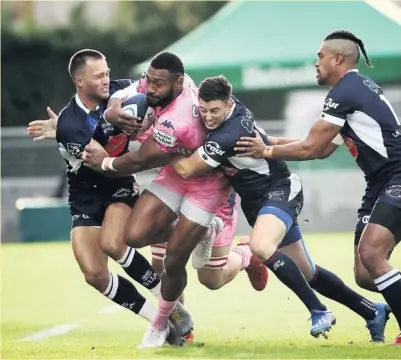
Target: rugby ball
(137, 105)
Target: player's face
(94, 79)
(162, 87)
(325, 65)
(214, 112)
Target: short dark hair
(78, 60)
(215, 88)
(346, 35)
(168, 61)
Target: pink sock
(246, 254)
(164, 309)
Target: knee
(113, 247)
(135, 237)
(97, 278)
(210, 281)
(368, 255)
(364, 281)
(263, 250)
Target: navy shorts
(284, 200)
(387, 192)
(89, 209)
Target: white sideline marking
(109, 309)
(53, 331)
(66, 328)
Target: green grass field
(42, 287)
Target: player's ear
(339, 58)
(180, 81)
(78, 81)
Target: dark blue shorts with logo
(88, 208)
(387, 192)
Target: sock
(390, 287)
(332, 287)
(290, 275)
(164, 310)
(246, 254)
(124, 293)
(148, 311)
(139, 269)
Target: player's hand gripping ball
(137, 105)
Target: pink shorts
(197, 199)
(228, 214)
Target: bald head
(347, 48)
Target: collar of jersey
(81, 104)
(231, 111)
(352, 70)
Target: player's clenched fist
(94, 155)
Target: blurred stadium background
(266, 49)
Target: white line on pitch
(53, 331)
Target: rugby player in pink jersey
(178, 127)
(210, 256)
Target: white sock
(148, 311)
(156, 290)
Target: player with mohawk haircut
(357, 112)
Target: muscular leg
(149, 222)
(93, 264)
(181, 243)
(376, 244)
(112, 243)
(362, 276)
(158, 253)
(267, 234)
(223, 266)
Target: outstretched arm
(147, 157)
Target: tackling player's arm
(322, 139)
(206, 158)
(255, 147)
(338, 105)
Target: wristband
(107, 164)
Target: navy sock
(290, 275)
(332, 287)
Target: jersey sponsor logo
(116, 145)
(393, 191)
(213, 148)
(123, 192)
(349, 143)
(74, 149)
(330, 104)
(167, 124)
(247, 124)
(164, 139)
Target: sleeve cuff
(207, 159)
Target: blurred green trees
(34, 60)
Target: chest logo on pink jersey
(167, 124)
